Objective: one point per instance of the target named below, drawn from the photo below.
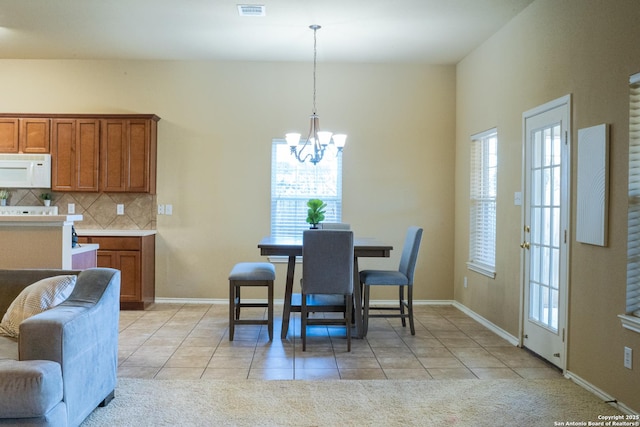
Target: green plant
(4, 194)
(45, 196)
(315, 214)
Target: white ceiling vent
(251, 10)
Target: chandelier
(317, 140)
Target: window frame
(483, 186)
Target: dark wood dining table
(292, 248)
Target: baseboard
(599, 393)
(487, 324)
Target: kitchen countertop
(85, 247)
(115, 233)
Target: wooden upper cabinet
(9, 142)
(24, 135)
(128, 155)
(34, 135)
(75, 149)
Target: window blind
(633, 221)
(294, 183)
(483, 186)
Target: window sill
(630, 322)
(481, 269)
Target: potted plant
(4, 195)
(315, 214)
(46, 198)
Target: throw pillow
(34, 299)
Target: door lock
(525, 245)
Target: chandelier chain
(315, 54)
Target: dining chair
(327, 279)
(400, 278)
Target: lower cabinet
(134, 256)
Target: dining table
(291, 247)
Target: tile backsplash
(98, 209)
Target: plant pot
(3, 202)
(47, 202)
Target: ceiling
(418, 31)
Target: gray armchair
(327, 279)
(400, 278)
(65, 361)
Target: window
(632, 321)
(482, 226)
(294, 183)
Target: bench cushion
(30, 388)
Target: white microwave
(25, 170)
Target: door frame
(564, 293)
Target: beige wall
(587, 49)
(214, 152)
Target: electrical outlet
(120, 209)
(628, 357)
(160, 209)
(168, 209)
(465, 282)
(71, 208)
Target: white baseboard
(599, 393)
(487, 324)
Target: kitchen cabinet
(89, 152)
(134, 256)
(24, 135)
(75, 150)
(128, 155)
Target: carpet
(475, 403)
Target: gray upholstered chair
(400, 278)
(327, 279)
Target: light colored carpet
(349, 403)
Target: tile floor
(170, 341)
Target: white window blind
(482, 227)
(294, 183)
(633, 221)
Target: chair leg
(401, 297)
(303, 320)
(347, 324)
(365, 314)
(238, 306)
(270, 310)
(232, 303)
(410, 307)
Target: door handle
(525, 245)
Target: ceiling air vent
(251, 10)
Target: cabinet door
(87, 153)
(129, 262)
(34, 135)
(137, 179)
(113, 151)
(9, 142)
(75, 150)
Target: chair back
(327, 262)
(410, 252)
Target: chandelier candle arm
(317, 139)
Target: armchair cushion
(29, 388)
(34, 299)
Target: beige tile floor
(170, 341)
